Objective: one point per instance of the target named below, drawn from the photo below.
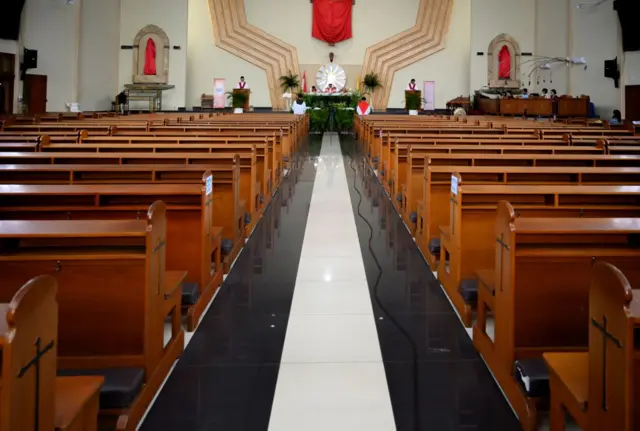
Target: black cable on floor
(405, 333)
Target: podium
(247, 93)
(407, 93)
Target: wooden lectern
(247, 93)
(408, 92)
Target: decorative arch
(161, 41)
(503, 48)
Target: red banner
(332, 20)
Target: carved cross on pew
(35, 362)
(453, 216)
(503, 246)
(159, 246)
(606, 335)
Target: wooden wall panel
(233, 34)
(425, 38)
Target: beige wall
(172, 17)
(99, 52)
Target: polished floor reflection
(436, 379)
(331, 372)
(330, 320)
(227, 375)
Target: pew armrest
(570, 371)
(486, 280)
(445, 234)
(171, 283)
(216, 232)
(76, 400)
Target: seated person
(545, 93)
(616, 120)
(554, 94)
(314, 89)
(525, 94)
(363, 107)
(299, 107)
(330, 89)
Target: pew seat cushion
(190, 293)
(533, 377)
(227, 247)
(121, 385)
(434, 246)
(469, 289)
(571, 370)
(413, 217)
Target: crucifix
(159, 246)
(606, 335)
(35, 362)
(503, 246)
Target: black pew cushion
(399, 197)
(261, 198)
(413, 218)
(121, 385)
(285, 158)
(190, 293)
(382, 172)
(434, 246)
(226, 247)
(469, 290)
(375, 159)
(532, 376)
(247, 218)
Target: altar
(152, 93)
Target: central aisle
(331, 373)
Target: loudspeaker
(611, 70)
(30, 59)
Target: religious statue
(150, 58)
(331, 73)
(504, 61)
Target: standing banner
(219, 100)
(429, 96)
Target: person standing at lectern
(242, 85)
(363, 107)
(412, 85)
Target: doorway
(7, 82)
(35, 93)
(632, 102)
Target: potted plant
(414, 101)
(371, 83)
(288, 83)
(238, 100)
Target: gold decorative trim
(233, 34)
(425, 38)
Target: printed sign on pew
(454, 185)
(209, 185)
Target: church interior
(301, 215)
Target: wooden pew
(113, 294)
(190, 220)
(32, 396)
(466, 241)
(39, 140)
(254, 182)
(599, 387)
(538, 292)
(425, 202)
(229, 210)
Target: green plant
(289, 82)
(344, 119)
(371, 82)
(237, 99)
(414, 101)
(319, 119)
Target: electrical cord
(403, 331)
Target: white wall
(172, 17)
(449, 68)
(206, 62)
(552, 40)
(631, 68)
(489, 18)
(99, 52)
(51, 27)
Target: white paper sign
(454, 184)
(209, 185)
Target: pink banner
(219, 100)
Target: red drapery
(150, 58)
(332, 20)
(504, 60)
